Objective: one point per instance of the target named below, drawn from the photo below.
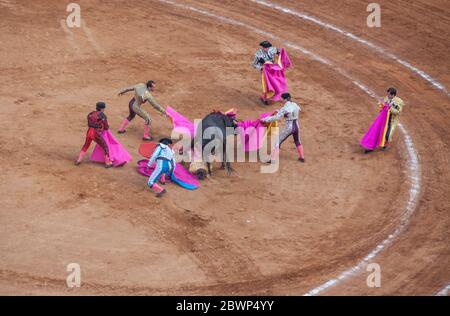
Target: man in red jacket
(97, 123)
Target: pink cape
(117, 153)
(180, 124)
(376, 133)
(252, 133)
(274, 78)
(182, 177)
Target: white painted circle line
(444, 292)
(413, 164)
(352, 36)
(411, 204)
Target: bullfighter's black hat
(166, 141)
(100, 105)
(265, 44)
(286, 96)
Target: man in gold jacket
(396, 106)
(141, 95)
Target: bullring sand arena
(309, 229)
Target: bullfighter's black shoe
(160, 194)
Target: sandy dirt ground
(249, 233)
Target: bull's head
(231, 120)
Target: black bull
(214, 128)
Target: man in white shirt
(163, 156)
(290, 111)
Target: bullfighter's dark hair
(392, 91)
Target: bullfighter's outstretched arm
(128, 89)
(280, 114)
